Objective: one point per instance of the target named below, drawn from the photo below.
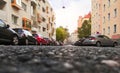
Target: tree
(61, 34)
(85, 30)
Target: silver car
(99, 40)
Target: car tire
(15, 40)
(40, 44)
(115, 44)
(26, 42)
(98, 44)
(36, 43)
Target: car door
(30, 38)
(4, 32)
(102, 39)
(108, 40)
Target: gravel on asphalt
(59, 59)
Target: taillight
(92, 38)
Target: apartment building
(46, 19)
(30, 15)
(105, 18)
(82, 19)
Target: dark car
(79, 42)
(26, 37)
(99, 40)
(49, 42)
(7, 35)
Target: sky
(68, 16)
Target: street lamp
(63, 7)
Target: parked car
(7, 35)
(26, 37)
(99, 40)
(40, 39)
(54, 42)
(79, 42)
(49, 42)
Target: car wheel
(15, 40)
(40, 44)
(115, 44)
(26, 42)
(98, 44)
(36, 43)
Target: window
(108, 3)
(12, 1)
(104, 31)
(43, 19)
(43, 1)
(108, 16)
(44, 29)
(2, 4)
(104, 19)
(105, 37)
(96, 6)
(115, 12)
(99, 6)
(43, 9)
(47, 26)
(24, 6)
(14, 19)
(104, 7)
(51, 9)
(115, 28)
(2, 24)
(18, 2)
(47, 10)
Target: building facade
(72, 38)
(82, 19)
(96, 17)
(32, 15)
(105, 18)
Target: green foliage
(85, 30)
(61, 34)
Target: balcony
(14, 4)
(26, 23)
(2, 4)
(33, 2)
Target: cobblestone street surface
(57, 59)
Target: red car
(40, 40)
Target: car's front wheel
(15, 40)
(40, 44)
(26, 41)
(115, 44)
(36, 43)
(98, 44)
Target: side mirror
(7, 26)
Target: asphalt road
(59, 59)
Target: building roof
(88, 15)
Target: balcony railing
(14, 4)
